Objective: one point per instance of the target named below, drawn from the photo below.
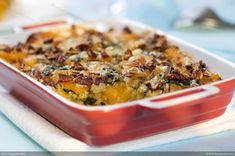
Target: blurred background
(206, 23)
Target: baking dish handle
(53, 22)
(197, 94)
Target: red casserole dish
(103, 125)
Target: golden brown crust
(101, 68)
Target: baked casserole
(102, 68)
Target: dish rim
(107, 108)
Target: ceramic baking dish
(102, 125)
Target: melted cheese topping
(101, 68)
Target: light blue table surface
(159, 14)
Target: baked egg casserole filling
(90, 67)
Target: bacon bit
(64, 78)
(156, 42)
(127, 54)
(179, 64)
(154, 38)
(48, 41)
(32, 38)
(77, 66)
(50, 83)
(162, 43)
(104, 55)
(99, 80)
(189, 67)
(39, 51)
(35, 74)
(91, 54)
(60, 58)
(127, 30)
(30, 47)
(83, 47)
(151, 65)
(202, 64)
(83, 80)
(174, 74)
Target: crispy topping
(64, 78)
(104, 55)
(60, 58)
(91, 54)
(127, 30)
(101, 36)
(127, 54)
(35, 74)
(89, 101)
(83, 80)
(32, 38)
(77, 66)
(189, 67)
(175, 75)
(101, 68)
(157, 42)
(39, 51)
(48, 41)
(18, 47)
(83, 47)
(202, 64)
(99, 80)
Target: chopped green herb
(68, 90)
(47, 70)
(102, 104)
(66, 67)
(89, 101)
(73, 96)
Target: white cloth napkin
(53, 139)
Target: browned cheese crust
(102, 68)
